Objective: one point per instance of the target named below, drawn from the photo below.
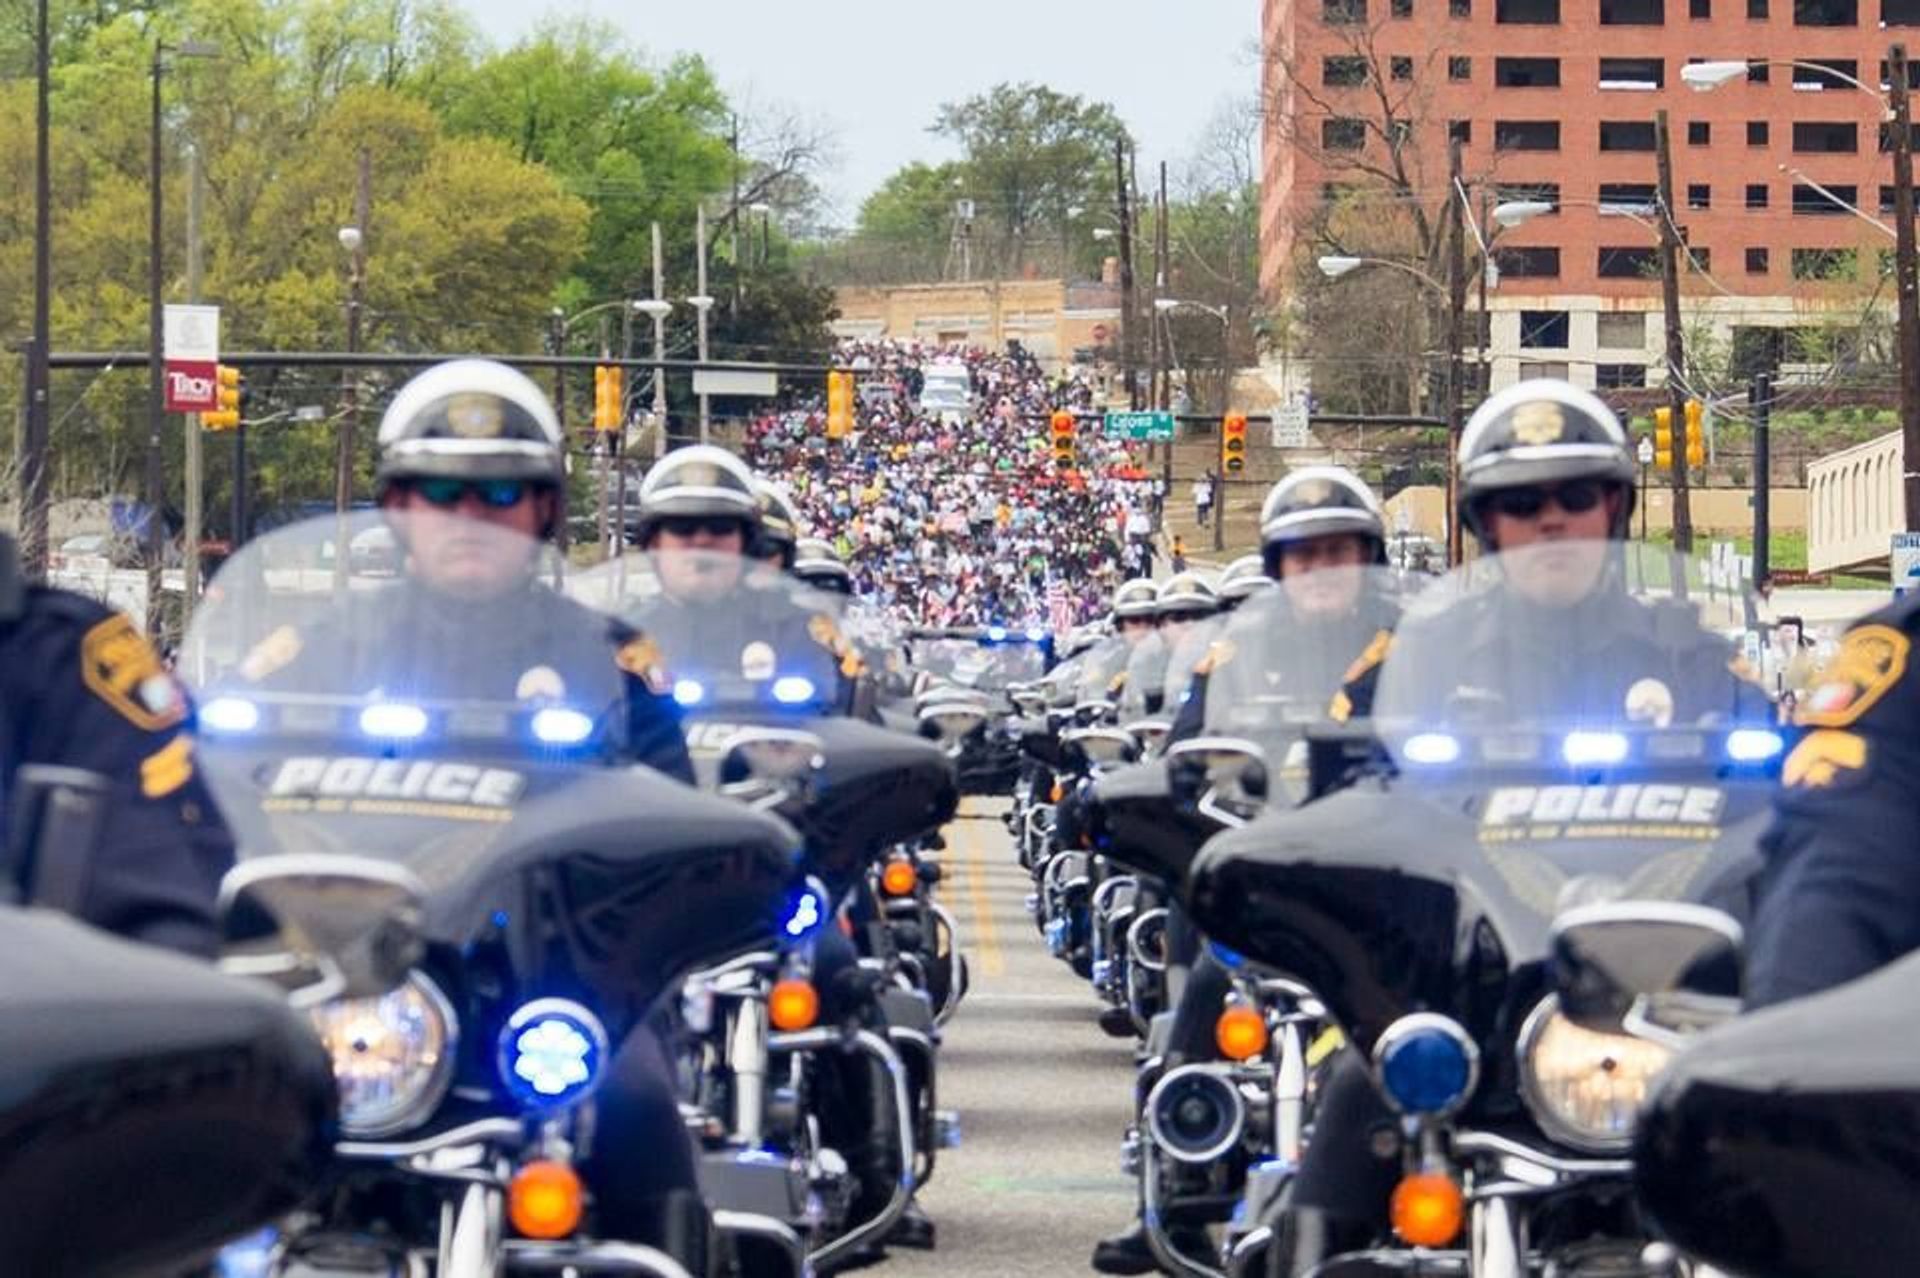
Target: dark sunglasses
(1576, 498)
(692, 525)
(499, 494)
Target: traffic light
(839, 404)
(1063, 441)
(1233, 442)
(609, 407)
(227, 390)
(1663, 438)
(1696, 436)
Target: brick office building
(1555, 99)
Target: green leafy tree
(1032, 154)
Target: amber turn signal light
(1428, 1209)
(1240, 1033)
(899, 878)
(545, 1200)
(793, 1004)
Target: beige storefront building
(1057, 321)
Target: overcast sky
(877, 70)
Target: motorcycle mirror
(1610, 958)
(758, 762)
(1088, 713)
(1222, 777)
(323, 926)
(54, 833)
(1088, 748)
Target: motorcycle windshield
(987, 663)
(446, 708)
(1281, 658)
(1101, 668)
(730, 635)
(1572, 655)
(1190, 644)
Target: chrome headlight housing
(1583, 1087)
(392, 1056)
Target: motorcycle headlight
(1584, 1087)
(392, 1056)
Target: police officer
(816, 563)
(472, 480)
(1135, 614)
(1184, 600)
(81, 688)
(1840, 896)
(1546, 481)
(1316, 517)
(778, 528)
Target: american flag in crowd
(1059, 607)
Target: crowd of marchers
(961, 516)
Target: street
(1043, 1095)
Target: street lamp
(1645, 454)
(701, 304)
(657, 309)
(156, 326)
(1896, 111)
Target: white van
(946, 388)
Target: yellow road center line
(991, 962)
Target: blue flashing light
(1037, 635)
(689, 692)
(996, 634)
(807, 911)
(1427, 1070)
(1585, 748)
(394, 719)
(1754, 745)
(553, 1053)
(561, 726)
(1431, 748)
(230, 714)
(1226, 957)
(793, 690)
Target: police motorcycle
(1081, 741)
(1222, 1124)
(815, 1062)
(561, 897)
(1783, 1144)
(196, 1104)
(982, 664)
(1554, 728)
(1043, 709)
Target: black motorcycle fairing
(150, 1108)
(1786, 1144)
(1385, 901)
(616, 880)
(876, 787)
(1133, 820)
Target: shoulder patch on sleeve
(1219, 653)
(121, 668)
(1375, 653)
(1342, 708)
(640, 657)
(1825, 760)
(167, 769)
(1871, 660)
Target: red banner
(192, 385)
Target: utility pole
(35, 438)
(196, 195)
(733, 214)
(1161, 252)
(701, 308)
(1670, 249)
(600, 486)
(659, 370)
(1127, 317)
(356, 284)
(156, 343)
(557, 345)
(1456, 307)
(1906, 264)
(1760, 412)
